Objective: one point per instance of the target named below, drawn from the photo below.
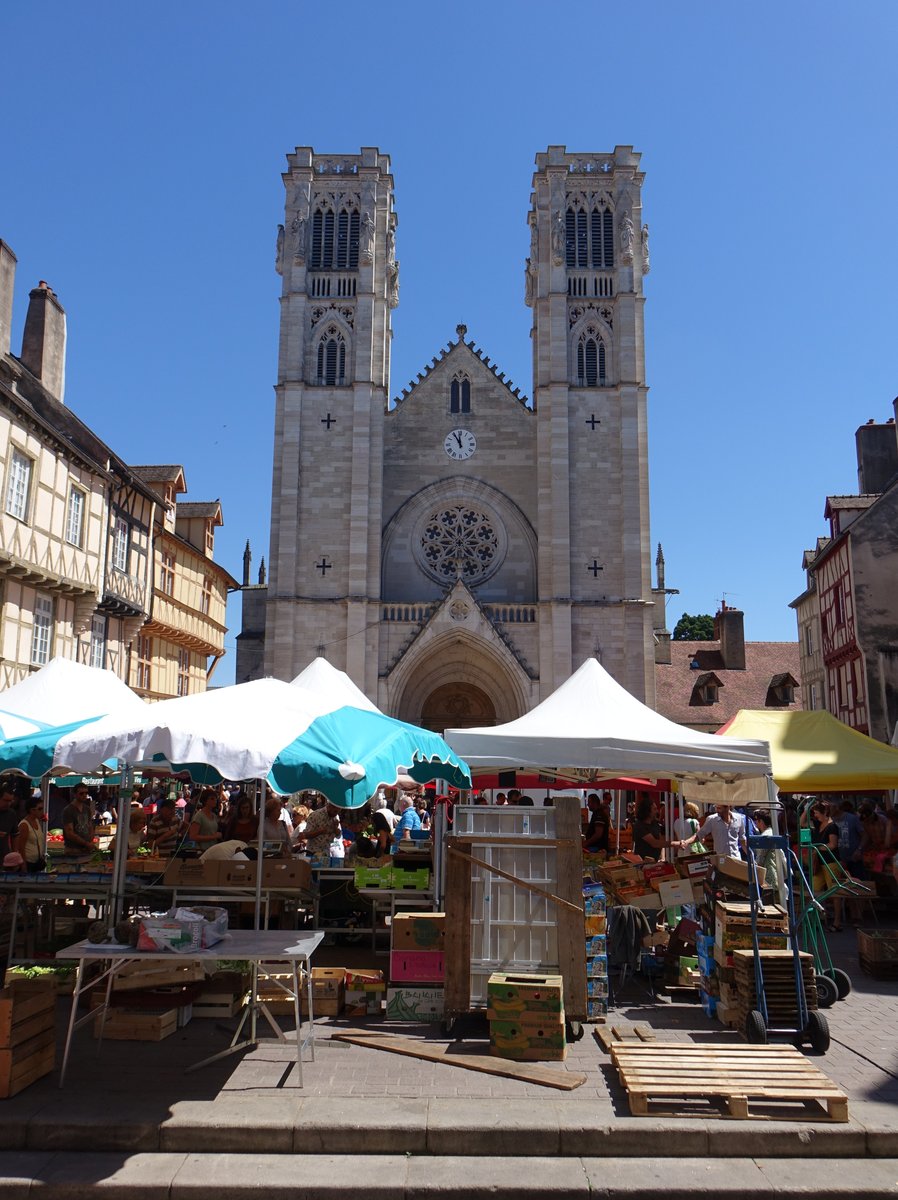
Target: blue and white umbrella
(289, 736)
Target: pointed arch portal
(457, 706)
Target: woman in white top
(30, 837)
(684, 827)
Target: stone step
(210, 1176)
(278, 1123)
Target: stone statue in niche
(366, 238)
(559, 237)
(529, 281)
(627, 238)
(279, 251)
(391, 245)
(393, 283)
(645, 249)
(534, 243)
(298, 229)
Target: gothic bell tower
(336, 257)
(584, 282)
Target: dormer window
(781, 691)
(706, 689)
(210, 537)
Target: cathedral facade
(458, 550)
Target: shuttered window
(335, 241)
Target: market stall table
(257, 947)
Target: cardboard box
(733, 930)
(190, 872)
(596, 1009)
(594, 904)
(417, 966)
(286, 873)
(414, 1004)
(527, 1041)
(374, 877)
(595, 945)
(363, 1004)
(596, 988)
(597, 967)
(735, 868)
(595, 925)
(416, 879)
(678, 892)
(418, 931)
(515, 993)
(364, 981)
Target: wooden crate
(219, 1005)
(132, 1025)
(138, 976)
(877, 951)
(27, 1034)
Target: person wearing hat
(164, 829)
(13, 862)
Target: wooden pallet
(751, 1082)
(607, 1037)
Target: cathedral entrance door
(457, 706)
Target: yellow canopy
(815, 752)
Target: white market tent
(592, 727)
(329, 683)
(62, 693)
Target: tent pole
(119, 858)
(260, 806)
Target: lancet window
(331, 358)
(335, 236)
(589, 234)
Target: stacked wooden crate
(526, 1015)
(778, 972)
(27, 1033)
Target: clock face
(460, 443)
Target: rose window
(458, 542)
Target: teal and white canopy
(290, 736)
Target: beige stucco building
(81, 533)
(459, 549)
(75, 522)
(182, 642)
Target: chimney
(43, 342)
(877, 456)
(7, 286)
(729, 630)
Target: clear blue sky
(143, 147)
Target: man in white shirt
(725, 828)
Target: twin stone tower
(459, 550)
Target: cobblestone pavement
(863, 1058)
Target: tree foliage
(699, 628)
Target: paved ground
(863, 1059)
(132, 1123)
